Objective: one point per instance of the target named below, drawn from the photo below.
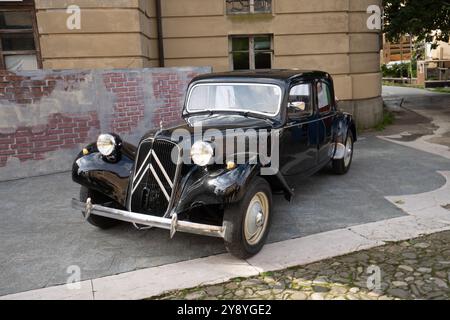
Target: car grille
(155, 177)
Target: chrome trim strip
(142, 176)
(176, 178)
(330, 116)
(143, 164)
(300, 124)
(131, 183)
(160, 183)
(162, 169)
(307, 122)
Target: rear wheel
(342, 166)
(97, 198)
(247, 223)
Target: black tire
(234, 217)
(339, 166)
(97, 198)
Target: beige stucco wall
(329, 35)
(113, 34)
(321, 34)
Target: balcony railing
(248, 6)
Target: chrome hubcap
(256, 218)
(260, 219)
(348, 152)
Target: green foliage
(421, 18)
(441, 90)
(388, 119)
(399, 70)
(238, 279)
(403, 85)
(266, 274)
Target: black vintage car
(248, 135)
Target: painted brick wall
(46, 117)
(129, 106)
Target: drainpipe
(160, 33)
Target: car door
(326, 113)
(299, 139)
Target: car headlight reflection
(106, 144)
(202, 153)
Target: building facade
(397, 52)
(330, 35)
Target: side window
(300, 102)
(324, 100)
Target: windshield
(244, 97)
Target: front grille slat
(148, 197)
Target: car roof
(285, 75)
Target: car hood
(221, 122)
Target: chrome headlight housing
(202, 153)
(106, 144)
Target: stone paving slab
(413, 269)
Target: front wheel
(342, 166)
(247, 223)
(96, 197)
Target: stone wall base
(368, 113)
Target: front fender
(110, 179)
(221, 186)
(202, 186)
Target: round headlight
(106, 144)
(201, 153)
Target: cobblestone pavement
(415, 269)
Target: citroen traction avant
(176, 182)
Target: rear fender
(344, 123)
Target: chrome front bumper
(147, 220)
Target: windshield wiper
(202, 112)
(249, 114)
